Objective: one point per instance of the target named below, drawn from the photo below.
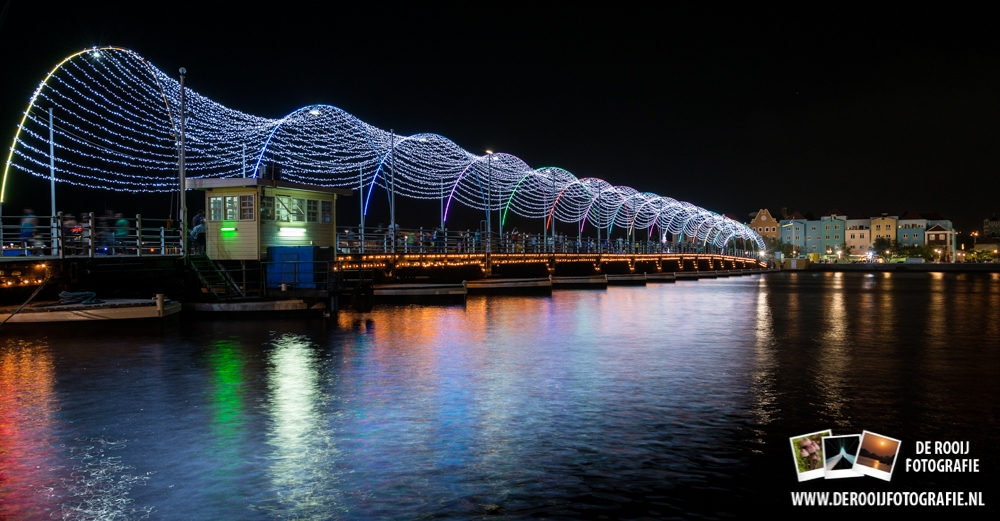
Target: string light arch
(116, 121)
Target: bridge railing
(430, 240)
(63, 236)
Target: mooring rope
(79, 297)
(32, 297)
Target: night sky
(862, 110)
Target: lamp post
(392, 188)
(489, 199)
(56, 229)
(180, 164)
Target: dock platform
(110, 309)
(582, 282)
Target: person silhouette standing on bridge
(121, 231)
(28, 223)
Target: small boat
(110, 309)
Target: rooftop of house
(205, 183)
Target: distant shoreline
(912, 268)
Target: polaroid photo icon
(877, 457)
(839, 455)
(807, 450)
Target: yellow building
(244, 216)
(765, 224)
(884, 227)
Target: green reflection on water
(228, 421)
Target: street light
(181, 171)
(489, 198)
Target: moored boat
(110, 309)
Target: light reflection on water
(304, 458)
(27, 404)
(669, 400)
(834, 360)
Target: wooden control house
(245, 216)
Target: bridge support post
(57, 228)
(138, 235)
(91, 236)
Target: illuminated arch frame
(44, 82)
(719, 227)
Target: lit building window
(282, 208)
(312, 211)
(266, 208)
(232, 207)
(215, 208)
(327, 209)
(246, 208)
(298, 210)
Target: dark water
(669, 401)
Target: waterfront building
(934, 219)
(765, 224)
(943, 240)
(858, 235)
(910, 229)
(834, 214)
(831, 233)
(247, 215)
(883, 226)
(988, 246)
(793, 231)
(825, 236)
(814, 238)
(991, 227)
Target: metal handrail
(430, 240)
(62, 236)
